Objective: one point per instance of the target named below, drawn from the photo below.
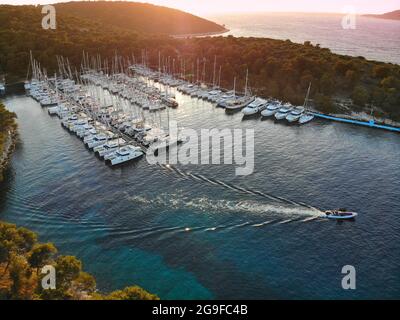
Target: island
(393, 15)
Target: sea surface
(181, 236)
(372, 38)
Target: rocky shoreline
(7, 151)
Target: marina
(149, 153)
(133, 216)
(114, 129)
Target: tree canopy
(21, 254)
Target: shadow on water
(251, 116)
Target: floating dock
(370, 124)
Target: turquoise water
(181, 237)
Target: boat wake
(204, 204)
(236, 188)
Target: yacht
(49, 101)
(295, 114)
(125, 154)
(78, 125)
(236, 103)
(109, 147)
(53, 110)
(271, 109)
(98, 140)
(69, 120)
(27, 85)
(2, 89)
(170, 102)
(85, 130)
(256, 106)
(283, 112)
(306, 117)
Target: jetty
(370, 124)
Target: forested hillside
(277, 68)
(142, 17)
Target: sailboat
(2, 89)
(237, 103)
(307, 116)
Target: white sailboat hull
(121, 159)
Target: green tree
(351, 78)
(18, 273)
(41, 255)
(327, 84)
(380, 71)
(324, 103)
(390, 82)
(360, 96)
(68, 269)
(132, 293)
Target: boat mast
(215, 64)
(219, 77)
(307, 95)
(247, 79)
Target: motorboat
(295, 114)
(254, 107)
(271, 109)
(340, 214)
(283, 112)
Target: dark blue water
(183, 238)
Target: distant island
(394, 15)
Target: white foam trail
(207, 180)
(176, 201)
(261, 224)
(194, 177)
(310, 219)
(225, 185)
(180, 172)
(240, 225)
(243, 189)
(285, 221)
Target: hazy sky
(203, 7)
